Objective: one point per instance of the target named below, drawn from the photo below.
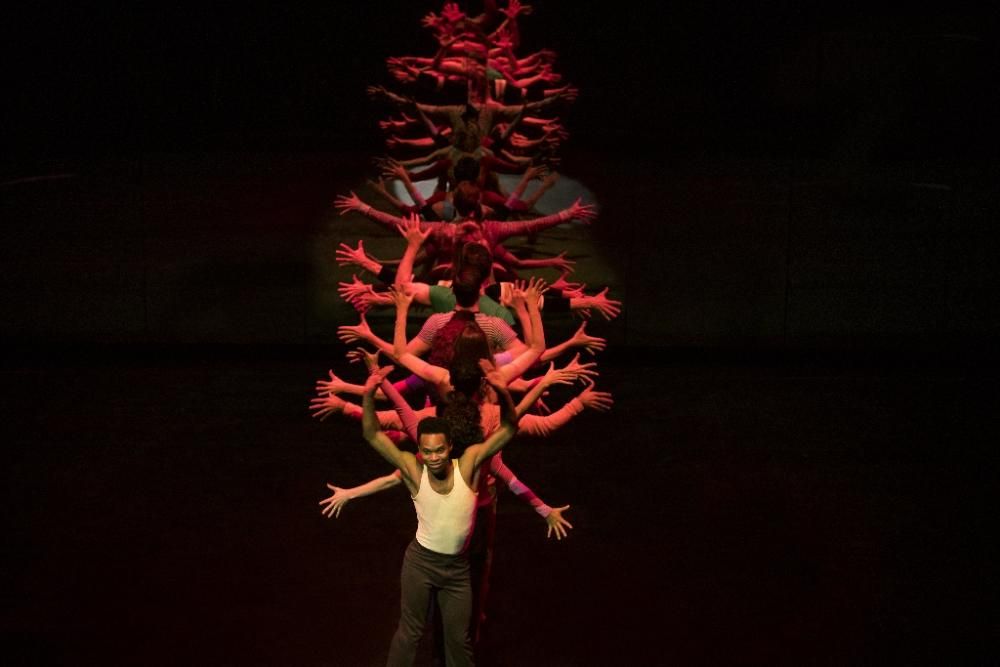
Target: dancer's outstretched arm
(568, 374)
(333, 505)
(347, 203)
(579, 339)
(553, 516)
(503, 230)
(589, 398)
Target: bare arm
(415, 237)
(335, 503)
(405, 462)
(397, 170)
(535, 335)
(507, 476)
(570, 373)
(436, 375)
(361, 332)
(579, 339)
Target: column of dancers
(494, 112)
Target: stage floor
(161, 509)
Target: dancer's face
(435, 450)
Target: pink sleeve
(396, 436)
(503, 230)
(406, 414)
(504, 474)
(543, 426)
(387, 419)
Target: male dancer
(443, 497)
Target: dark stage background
(798, 208)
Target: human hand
(591, 344)
(332, 386)
(324, 406)
(375, 92)
(410, 230)
(452, 13)
(401, 295)
(560, 262)
(557, 376)
(536, 171)
(430, 20)
(375, 378)
(534, 290)
(580, 371)
(556, 523)
(347, 203)
(368, 300)
(402, 74)
(595, 400)
(360, 332)
(370, 359)
(514, 7)
(517, 296)
(502, 40)
(541, 407)
(582, 212)
(549, 76)
(608, 308)
(354, 289)
(346, 255)
(569, 289)
(393, 169)
(335, 503)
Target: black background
(798, 209)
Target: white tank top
(444, 520)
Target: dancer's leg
(455, 600)
(415, 584)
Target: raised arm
(534, 334)
(429, 372)
(408, 418)
(405, 462)
(411, 230)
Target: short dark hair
(466, 286)
(466, 199)
(477, 255)
(433, 425)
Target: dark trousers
(426, 573)
(480, 551)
